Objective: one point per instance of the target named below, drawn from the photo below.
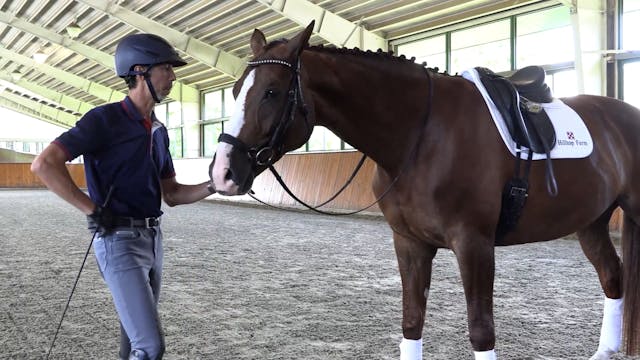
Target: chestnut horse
(442, 165)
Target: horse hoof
(602, 355)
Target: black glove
(101, 219)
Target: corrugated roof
(213, 36)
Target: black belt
(133, 222)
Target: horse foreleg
(476, 261)
(597, 246)
(414, 262)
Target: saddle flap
(526, 121)
(539, 126)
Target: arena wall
(314, 178)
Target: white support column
(588, 19)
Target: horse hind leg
(631, 280)
(415, 261)
(598, 248)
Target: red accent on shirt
(147, 124)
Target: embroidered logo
(571, 140)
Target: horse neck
(373, 102)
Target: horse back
(463, 165)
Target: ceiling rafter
(41, 110)
(100, 91)
(331, 27)
(208, 54)
(213, 36)
(72, 104)
(100, 57)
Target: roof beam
(207, 54)
(100, 91)
(68, 102)
(437, 16)
(88, 52)
(38, 110)
(331, 27)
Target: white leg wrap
(411, 349)
(485, 355)
(611, 331)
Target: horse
(440, 171)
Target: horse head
(271, 115)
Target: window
(211, 132)
(485, 45)
(628, 63)
(161, 113)
(544, 37)
(562, 82)
(323, 139)
(630, 25)
(213, 105)
(431, 50)
(630, 73)
(218, 108)
(170, 114)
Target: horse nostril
(228, 175)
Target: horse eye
(269, 93)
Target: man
(126, 149)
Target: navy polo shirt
(118, 150)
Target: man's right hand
(101, 219)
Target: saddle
(518, 99)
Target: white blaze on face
(235, 124)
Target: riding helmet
(144, 49)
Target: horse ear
(300, 41)
(258, 42)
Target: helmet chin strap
(147, 79)
(152, 90)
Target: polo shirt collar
(132, 111)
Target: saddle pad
(573, 139)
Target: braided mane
(385, 55)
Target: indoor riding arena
(242, 282)
(260, 276)
(246, 281)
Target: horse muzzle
(231, 171)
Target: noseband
(265, 154)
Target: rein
(295, 90)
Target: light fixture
(73, 30)
(40, 56)
(16, 75)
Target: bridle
(264, 155)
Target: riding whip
(55, 336)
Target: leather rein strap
(295, 91)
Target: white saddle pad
(573, 139)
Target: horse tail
(631, 284)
